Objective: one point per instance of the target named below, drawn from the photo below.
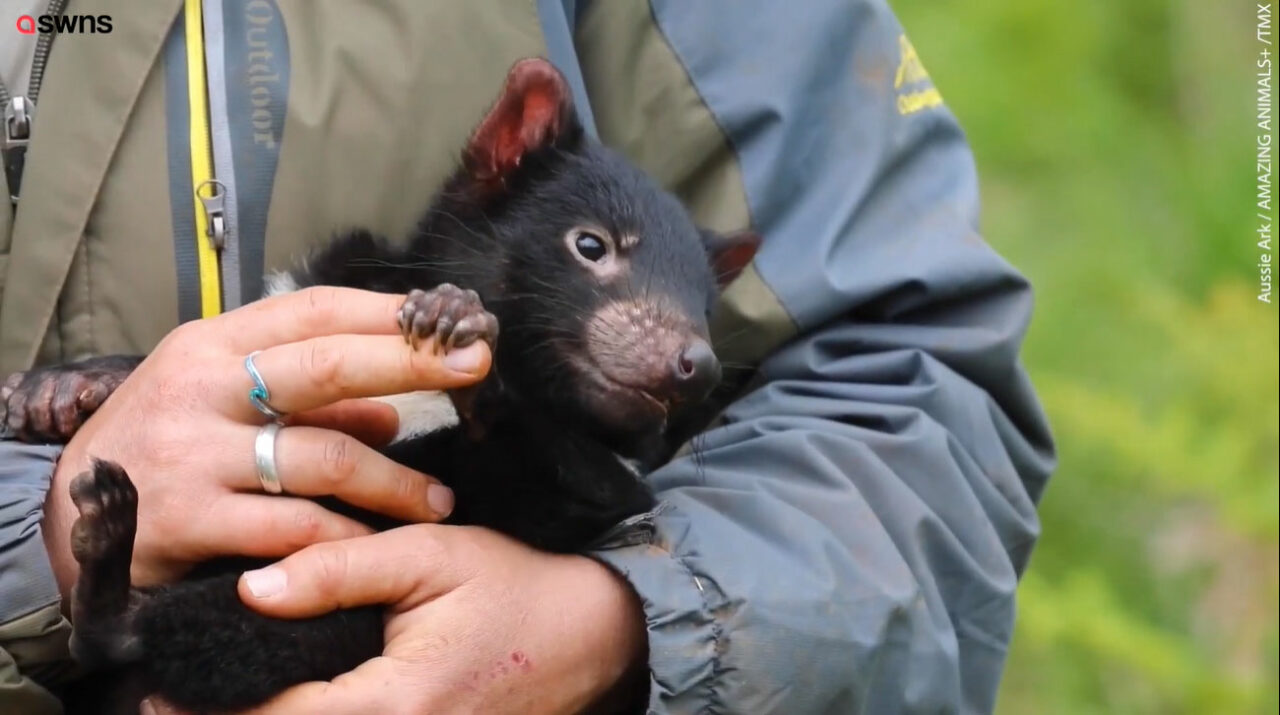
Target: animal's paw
(108, 506)
(102, 543)
(50, 404)
(455, 316)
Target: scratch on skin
(522, 661)
(519, 663)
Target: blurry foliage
(1115, 147)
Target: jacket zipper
(18, 113)
(202, 178)
(225, 208)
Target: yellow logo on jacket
(911, 73)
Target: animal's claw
(454, 316)
(50, 404)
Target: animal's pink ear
(534, 111)
(730, 253)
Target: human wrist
(621, 645)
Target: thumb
(403, 567)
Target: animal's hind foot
(455, 316)
(108, 506)
(102, 543)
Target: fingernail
(265, 583)
(440, 499)
(147, 708)
(466, 359)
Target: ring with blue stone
(259, 395)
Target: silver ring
(259, 395)
(264, 454)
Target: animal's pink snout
(652, 347)
(696, 371)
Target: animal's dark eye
(590, 246)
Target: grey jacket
(848, 536)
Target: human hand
(183, 427)
(477, 623)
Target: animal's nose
(696, 370)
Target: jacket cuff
(27, 583)
(680, 606)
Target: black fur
(539, 457)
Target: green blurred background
(1115, 143)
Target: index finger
(308, 313)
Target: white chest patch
(632, 465)
(279, 283)
(422, 412)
